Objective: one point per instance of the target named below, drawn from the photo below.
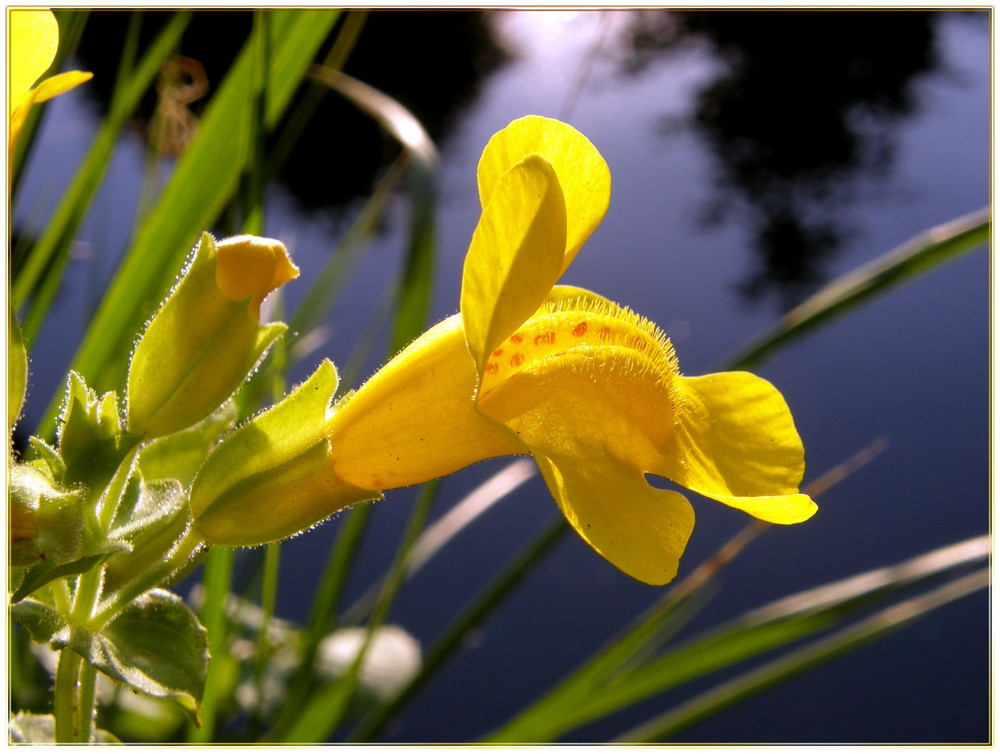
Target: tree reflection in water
(801, 120)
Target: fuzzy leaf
(155, 646)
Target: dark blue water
(747, 171)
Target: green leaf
(153, 527)
(41, 621)
(43, 456)
(44, 572)
(155, 646)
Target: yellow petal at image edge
(34, 38)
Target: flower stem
(67, 699)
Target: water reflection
(801, 120)
(434, 63)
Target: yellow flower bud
(251, 267)
(207, 337)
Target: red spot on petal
(498, 352)
(580, 329)
(605, 332)
(492, 367)
(516, 338)
(516, 360)
(547, 337)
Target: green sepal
(91, 441)
(180, 455)
(43, 456)
(155, 646)
(197, 351)
(29, 728)
(272, 477)
(17, 370)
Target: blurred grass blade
(330, 282)
(415, 285)
(475, 612)
(450, 525)
(326, 709)
(725, 695)
(387, 112)
(203, 182)
(39, 278)
(765, 629)
(917, 256)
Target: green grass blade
(474, 613)
(41, 274)
(415, 285)
(917, 256)
(766, 629)
(217, 578)
(325, 710)
(725, 695)
(203, 182)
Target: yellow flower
(587, 387)
(34, 39)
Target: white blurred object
(392, 659)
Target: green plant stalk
(322, 617)
(326, 709)
(67, 698)
(216, 580)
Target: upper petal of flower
(515, 256)
(583, 173)
(735, 442)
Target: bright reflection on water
(725, 166)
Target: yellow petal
(56, 85)
(583, 173)
(34, 38)
(415, 420)
(251, 267)
(515, 256)
(595, 417)
(641, 530)
(736, 443)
